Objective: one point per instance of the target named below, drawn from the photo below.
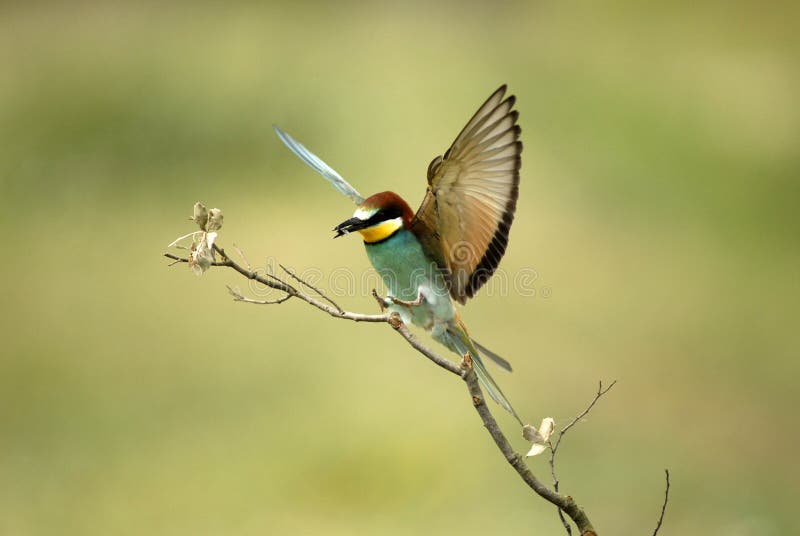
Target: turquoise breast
(406, 271)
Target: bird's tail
(462, 343)
(493, 356)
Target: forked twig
(554, 448)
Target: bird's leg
(409, 304)
(383, 303)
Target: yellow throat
(381, 231)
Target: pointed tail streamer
(316, 163)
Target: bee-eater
(454, 242)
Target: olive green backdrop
(657, 226)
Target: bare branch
(276, 283)
(563, 502)
(464, 370)
(663, 506)
(402, 329)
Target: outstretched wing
(316, 163)
(466, 214)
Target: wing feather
(467, 212)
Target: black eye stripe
(385, 214)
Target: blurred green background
(658, 208)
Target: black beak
(353, 224)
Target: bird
(442, 254)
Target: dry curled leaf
(200, 215)
(201, 256)
(540, 437)
(214, 220)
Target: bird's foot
(409, 304)
(383, 303)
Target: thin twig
(663, 506)
(554, 448)
(305, 283)
(243, 256)
(600, 392)
(184, 259)
(238, 296)
(561, 517)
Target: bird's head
(378, 218)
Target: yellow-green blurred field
(658, 207)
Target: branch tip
(664, 505)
